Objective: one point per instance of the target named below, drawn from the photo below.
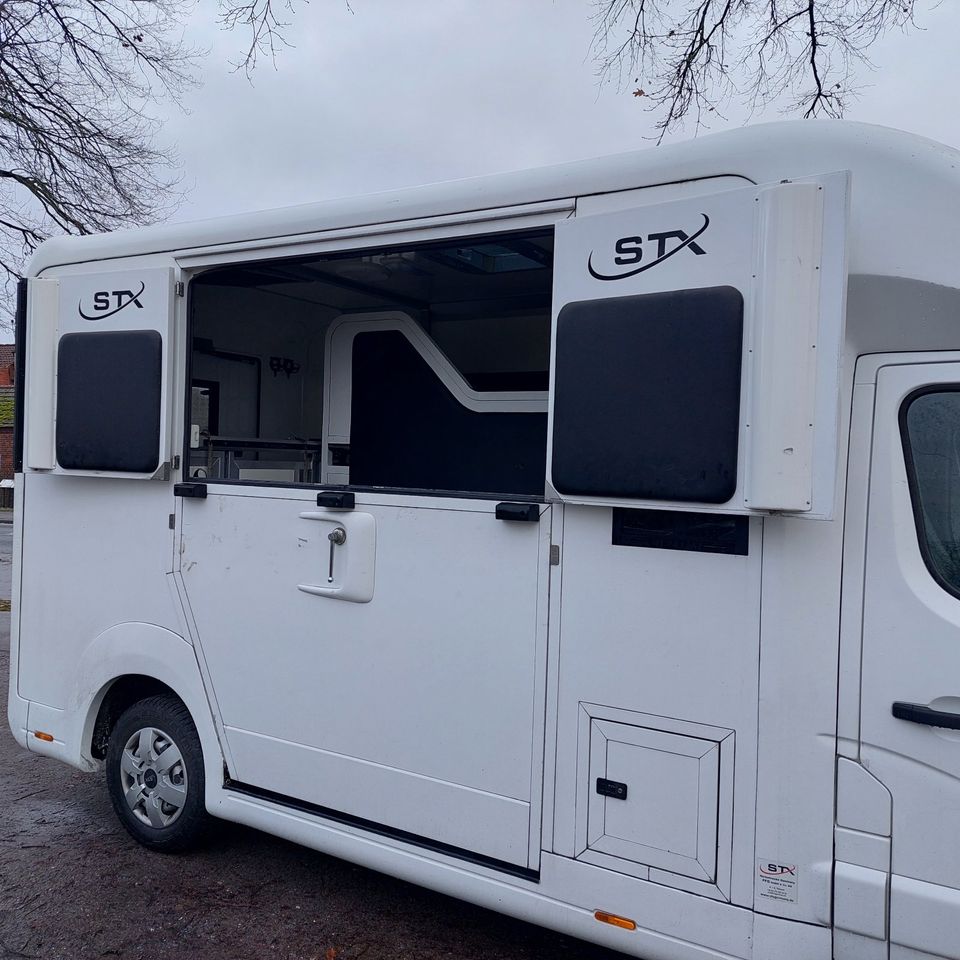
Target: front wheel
(155, 774)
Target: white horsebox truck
(583, 542)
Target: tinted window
(930, 426)
(647, 396)
(108, 401)
(671, 530)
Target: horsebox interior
(259, 335)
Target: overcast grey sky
(400, 92)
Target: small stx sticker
(777, 881)
(106, 303)
(631, 252)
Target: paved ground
(74, 886)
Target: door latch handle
(611, 788)
(918, 713)
(196, 491)
(518, 512)
(337, 537)
(336, 499)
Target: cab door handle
(918, 713)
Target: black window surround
(19, 372)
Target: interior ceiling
(504, 273)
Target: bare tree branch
(77, 79)
(264, 28)
(78, 82)
(690, 57)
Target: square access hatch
(658, 802)
(668, 815)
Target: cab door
(910, 699)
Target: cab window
(930, 428)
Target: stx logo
(630, 250)
(106, 303)
(778, 870)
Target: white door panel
(412, 706)
(678, 676)
(130, 301)
(781, 250)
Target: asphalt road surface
(73, 886)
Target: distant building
(7, 379)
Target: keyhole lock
(337, 537)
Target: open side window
(98, 372)
(696, 348)
(420, 368)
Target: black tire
(145, 784)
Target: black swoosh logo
(653, 263)
(103, 316)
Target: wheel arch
(130, 662)
(121, 693)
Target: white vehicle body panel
(457, 699)
(328, 742)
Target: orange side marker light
(616, 921)
(46, 737)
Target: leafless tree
(76, 138)
(690, 57)
(687, 58)
(79, 78)
(78, 83)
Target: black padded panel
(408, 431)
(108, 401)
(647, 396)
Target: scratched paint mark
(4, 606)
